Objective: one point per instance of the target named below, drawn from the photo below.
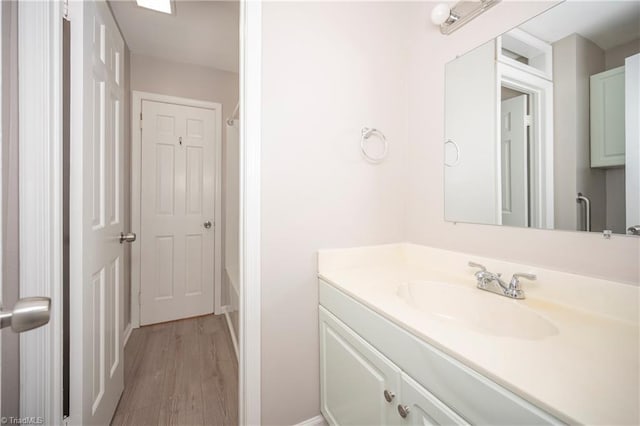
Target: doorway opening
(156, 96)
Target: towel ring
(366, 134)
(457, 148)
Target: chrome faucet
(487, 280)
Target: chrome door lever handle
(127, 238)
(28, 313)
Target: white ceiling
(200, 32)
(607, 23)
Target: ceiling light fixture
(164, 6)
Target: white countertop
(588, 373)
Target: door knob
(207, 224)
(403, 410)
(27, 314)
(388, 395)
(127, 238)
(633, 230)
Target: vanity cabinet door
(354, 377)
(607, 118)
(419, 407)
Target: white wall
(328, 70)
(149, 74)
(615, 56)
(616, 259)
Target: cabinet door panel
(424, 408)
(354, 377)
(607, 118)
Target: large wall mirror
(543, 123)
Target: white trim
(40, 180)
(2, 195)
(541, 106)
(528, 45)
(314, 421)
(136, 166)
(250, 134)
(234, 340)
(127, 333)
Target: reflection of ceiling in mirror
(607, 23)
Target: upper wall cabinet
(607, 118)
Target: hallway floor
(180, 373)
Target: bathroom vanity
(406, 337)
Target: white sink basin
(478, 310)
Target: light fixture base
(463, 12)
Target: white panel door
(100, 191)
(471, 175)
(514, 162)
(632, 137)
(177, 200)
(354, 378)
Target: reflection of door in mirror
(514, 158)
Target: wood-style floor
(180, 373)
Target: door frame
(41, 25)
(136, 191)
(540, 91)
(250, 214)
(41, 203)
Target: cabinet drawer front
(354, 377)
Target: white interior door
(514, 174)
(632, 137)
(96, 213)
(177, 211)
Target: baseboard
(127, 333)
(314, 421)
(234, 340)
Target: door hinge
(140, 121)
(528, 120)
(65, 10)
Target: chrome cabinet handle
(28, 313)
(633, 230)
(207, 224)
(127, 238)
(403, 410)
(389, 395)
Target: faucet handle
(515, 282)
(477, 265)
